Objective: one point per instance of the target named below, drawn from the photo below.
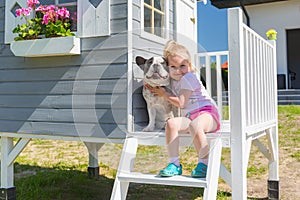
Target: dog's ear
(166, 60)
(140, 61)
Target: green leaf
(16, 30)
(24, 35)
(18, 38)
(31, 32)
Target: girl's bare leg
(198, 127)
(175, 125)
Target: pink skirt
(206, 109)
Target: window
(71, 5)
(154, 17)
(89, 18)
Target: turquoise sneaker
(171, 170)
(199, 171)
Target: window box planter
(56, 46)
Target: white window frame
(84, 9)
(91, 21)
(153, 37)
(56, 2)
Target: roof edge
(236, 3)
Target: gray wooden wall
(143, 46)
(83, 95)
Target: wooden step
(137, 177)
(159, 139)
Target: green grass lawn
(56, 170)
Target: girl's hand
(147, 86)
(158, 91)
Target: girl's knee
(196, 126)
(171, 123)
(203, 123)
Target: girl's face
(178, 66)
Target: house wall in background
(281, 16)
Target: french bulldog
(156, 73)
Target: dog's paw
(148, 128)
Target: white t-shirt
(199, 97)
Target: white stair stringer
(125, 175)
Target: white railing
(253, 77)
(258, 68)
(253, 99)
(260, 78)
(205, 60)
(257, 73)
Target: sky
(212, 27)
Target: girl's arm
(179, 101)
(184, 96)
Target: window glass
(47, 2)
(154, 17)
(67, 1)
(73, 16)
(158, 4)
(147, 20)
(147, 2)
(158, 21)
(71, 5)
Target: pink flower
(46, 19)
(45, 9)
(23, 11)
(49, 15)
(49, 12)
(52, 18)
(32, 3)
(53, 15)
(63, 13)
(41, 9)
(51, 8)
(19, 12)
(74, 17)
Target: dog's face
(156, 71)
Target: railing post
(273, 180)
(219, 84)
(208, 77)
(237, 104)
(208, 74)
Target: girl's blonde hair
(172, 48)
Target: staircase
(289, 97)
(125, 175)
(285, 97)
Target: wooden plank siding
(147, 47)
(2, 14)
(81, 95)
(56, 95)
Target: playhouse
(83, 87)
(87, 87)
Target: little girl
(199, 114)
